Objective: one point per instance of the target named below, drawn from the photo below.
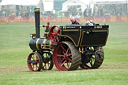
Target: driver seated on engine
(73, 20)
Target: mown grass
(14, 49)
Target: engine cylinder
(40, 43)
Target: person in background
(85, 13)
(19, 17)
(78, 17)
(70, 15)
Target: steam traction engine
(68, 47)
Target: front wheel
(34, 62)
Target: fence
(65, 19)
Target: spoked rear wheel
(66, 56)
(95, 60)
(47, 63)
(34, 62)
(55, 34)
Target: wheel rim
(62, 57)
(55, 34)
(34, 62)
(47, 64)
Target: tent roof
(20, 2)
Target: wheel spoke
(44, 65)
(68, 64)
(63, 59)
(54, 30)
(60, 55)
(92, 57)
(58, 38)
(33, 66)
(36, 58)
(48, 64)
(58, 34)
(63, 52)
(33, 57)
(63, 63)
(67, 50)
(91, 62)
(58, 30)
(69, 59)
(69, 54)
(53, 33)
(63, 48)
(36, 67)
(54, 37)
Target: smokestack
(37, 22)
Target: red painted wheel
(54, 34)
(34, 62)
(66, 57)
(47, 63)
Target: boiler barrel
(40, 43)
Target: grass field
(14, 50)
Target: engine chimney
(37, 22)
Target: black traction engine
(68, 47)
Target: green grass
(14, 50)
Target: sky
(85, 1)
